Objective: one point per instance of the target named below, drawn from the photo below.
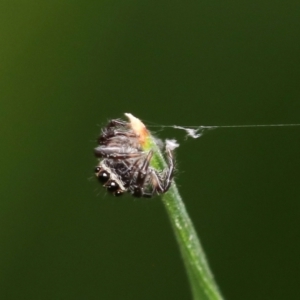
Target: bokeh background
(67, 67)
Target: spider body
(125, 167)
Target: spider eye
(97, 169)
(112, 186)
(103, 176)
(118, 193)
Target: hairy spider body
(125, 167)
(118, 133)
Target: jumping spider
(125, 167)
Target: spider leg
(156, 183)
(109, 135)
(116, 122)
(170, 172)
(115, 152)
(139, 181)
(143, 170)
(125, 134)
(162, 183)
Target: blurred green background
(69, 66)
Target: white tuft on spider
(125, 167)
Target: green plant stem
(201, 279)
